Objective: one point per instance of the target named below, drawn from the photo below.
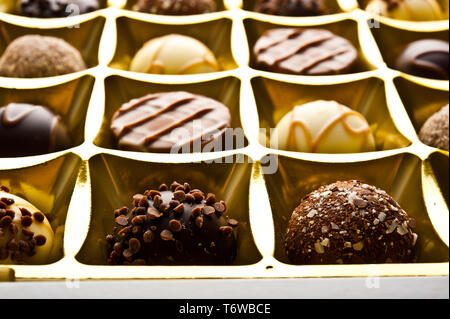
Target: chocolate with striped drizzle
(304, 51)
(148, 123)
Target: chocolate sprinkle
(180, 226)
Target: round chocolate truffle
(176, 226)
(26, 236)
(175, 7)
(295, 8)
(174, 122)
(434, 131)
(56, 8)
(427, 58)
(304, 52)
(35, 56)
(174, 54)
(27, 129)
(349, 222)
(323, 127)
(415, 10)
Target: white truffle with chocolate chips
(349, 222)
(26, 236)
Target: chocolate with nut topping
(174, 225)
(350, 222)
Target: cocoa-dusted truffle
(174, 225)
(295, 8)
(56, 8)
(304, 52)
(427, 58)
(26, 236)
(175, 7)
(35, 56)
(27, 129)
(434, 131)
(350, 222)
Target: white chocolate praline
(414, 10)
(42, 253)
(174, 54)
(323, 127)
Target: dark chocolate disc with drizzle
(27, 129)
(173, 226)
(426, 58)
(295, 8)
(304, 52)
(168, 122)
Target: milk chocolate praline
(166, 122)
(174, 225)
(295, 8)
(26, 236)
(175, 7)
(349, 222)
(27, 129)
(427, 58)
(304, 52)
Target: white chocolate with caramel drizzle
(323, 127)
(174, 54)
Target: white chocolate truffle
(414, 10)
(27, 238)
(174, 54)
(323, 127)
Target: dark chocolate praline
(172, 226)
(175, 7)
(56, 8)
(27, 129)
(426, 58)
(350, 222)
(294, 8)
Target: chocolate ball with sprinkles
(26, 236)
(173, 225)
(349, 222)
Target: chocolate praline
(304, 52)
(177, 122)
(56, 8)
(27, 129)
(434, 131)
(36, 56)
(175, 7)
(173, 226)
(295, 8)
(426, 58)
(349, 222)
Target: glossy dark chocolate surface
(295, 8)
(56, 8)
(165, 122)
(427, 58)
(30, 130)
(304, 51)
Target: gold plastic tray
(80, 187)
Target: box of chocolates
(173, 139)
